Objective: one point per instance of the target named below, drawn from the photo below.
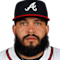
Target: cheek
(41, 31)
(20, 31)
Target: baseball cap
(28, 8)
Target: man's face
(30, 27)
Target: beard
(29, 50)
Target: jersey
(50, 53)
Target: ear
(14, 28)
(47, 28)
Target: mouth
(31, 39)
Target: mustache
(31, 35)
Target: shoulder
(56, 53)
(3, 55)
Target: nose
(30, 30)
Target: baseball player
(31, 33)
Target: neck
(33, 57)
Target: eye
(23, 23)
(38, 23)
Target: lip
(31, 39)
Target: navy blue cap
(30, 8)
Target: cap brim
(35, 15)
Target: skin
(30, 26)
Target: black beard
(30, 51)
